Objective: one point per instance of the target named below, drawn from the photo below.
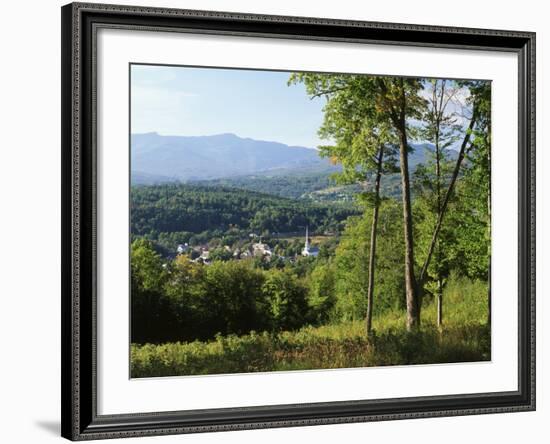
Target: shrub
(286, 298)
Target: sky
(190, 101)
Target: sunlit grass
(464, 337)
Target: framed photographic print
(275, 221)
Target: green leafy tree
(349, 264)
(220, 254)
(400, 101)
(147, 267)
(362, 145)
(233, 296)
(475, 145)
(184, 290)
(321, 296)
(439, 127)
(287, 299)
(474, 242)
(478, 103)
(365, 115)
(150, 309)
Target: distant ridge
(159, 159)
(224, 155)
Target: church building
(308, 250)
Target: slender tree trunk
(439, 302)
(438, 191)
(372, 253)
(438, 171)
(411, 290)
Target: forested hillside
(172, 214)
(317, 187)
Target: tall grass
(464, 337)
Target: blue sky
(204, 101)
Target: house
(259, 249)
(183, 248)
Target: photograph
(284, 221)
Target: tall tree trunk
(411, 290)
(438, 191)
(372, 253)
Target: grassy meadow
(465, 337)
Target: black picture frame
(80, 420)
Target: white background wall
(30, 221)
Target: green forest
(174, 214)
(376, 263)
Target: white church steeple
(307, 250)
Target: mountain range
(184, 158)
(157, 158)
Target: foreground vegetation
(464, 338)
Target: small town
(202, 253)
